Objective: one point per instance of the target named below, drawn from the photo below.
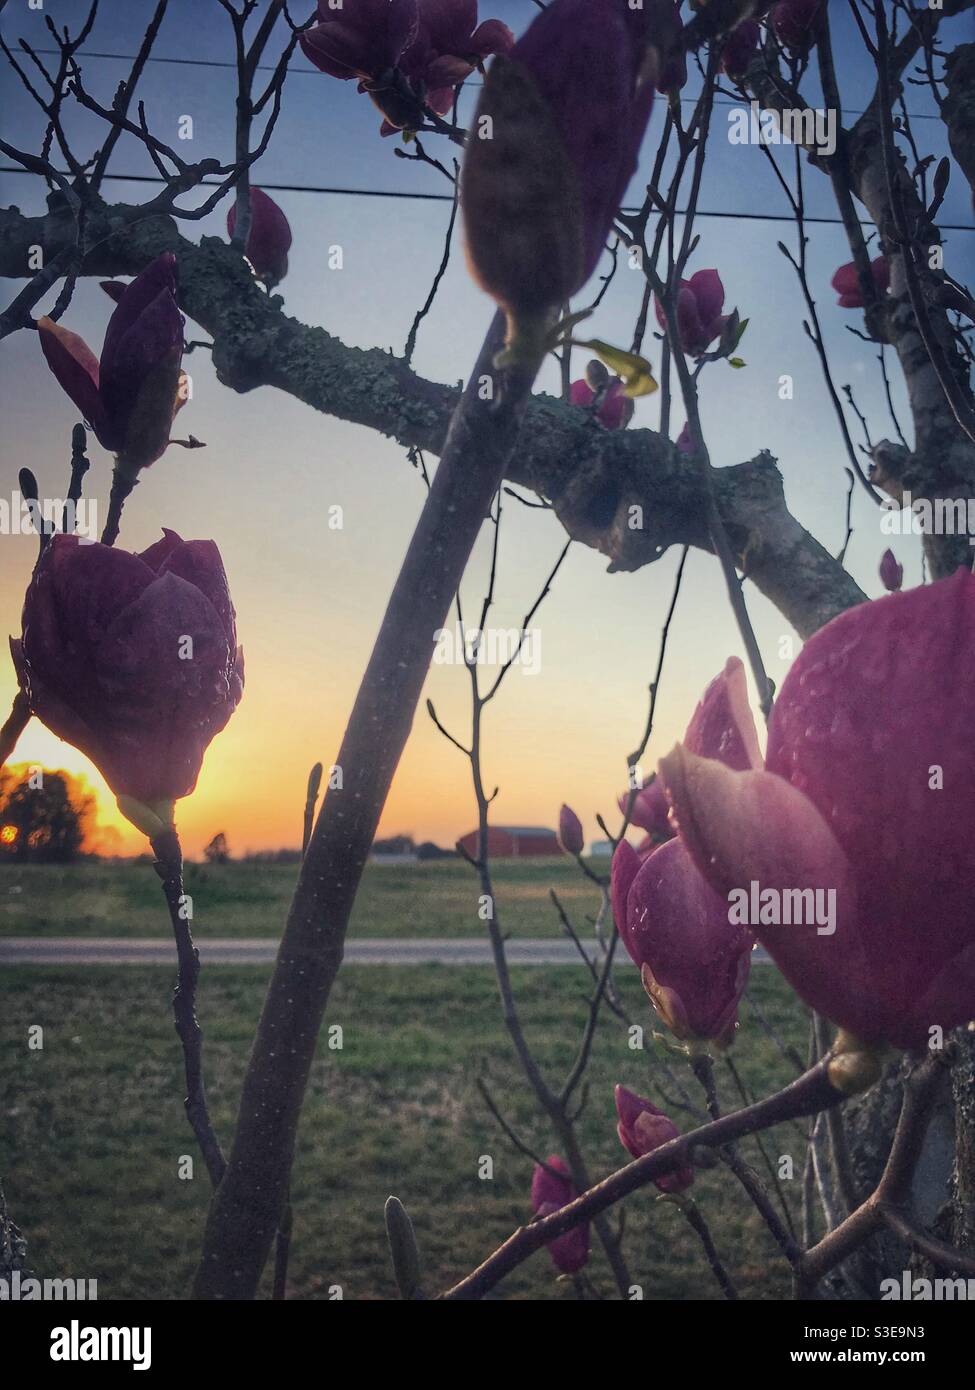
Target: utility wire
(717, 213)
(313, 72)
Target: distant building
(514, 841)
(397, 849)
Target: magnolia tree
(844, 850)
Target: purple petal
(708, 292)
(199, 563)
(625, 867)
(158, 279)
(873, 725)
(745, 828)
(679, 929)
(584, 61)
(153, 338)
(269, 237)
(76, 369)
(722, 726)
(164, 707)
(550, 1186)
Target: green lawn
(92, 1128)
(437, 898)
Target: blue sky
(309, 600)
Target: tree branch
(593, 477)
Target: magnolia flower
(794, 22)
(642, 1128)
(868, 792)
(891, 572)
(363, 39)
(130, 396)
(570, 831)
(668, 40)
(616, 409)
(552, 1190)
(846, 282)
(567, 110)
(698, 309)
(133, 659)
(693, 959)
(650, 810)
(407, 54)
(739, 48)
(449, 45)
(269, 237)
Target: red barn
(513, 841)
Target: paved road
(117, 950)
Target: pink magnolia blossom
(579, 65)
(406, 54)
(571, 837)
(550, 1192)
(698, 308)
(269, 237)
(642, 1128)
(693, 959)
(891, 572)
(667, 30)
(739, 48)
(130, 395)
(847, 285)
(586, 58)
(794, 22)
(105, 664)
(616, 409)
(449, 45)
(650, 810)
(363, 40)
(868, 792)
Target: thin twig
(169, 867)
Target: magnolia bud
(642, 1129)
(891, 572)
(570, 831)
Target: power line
(313, 72)
(716, 213)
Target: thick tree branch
(247, 1205)
(592, 476)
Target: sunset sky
(309, 599)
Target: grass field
(438, 898)
(92, 1128)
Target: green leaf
(737, 362)
(635, 371)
